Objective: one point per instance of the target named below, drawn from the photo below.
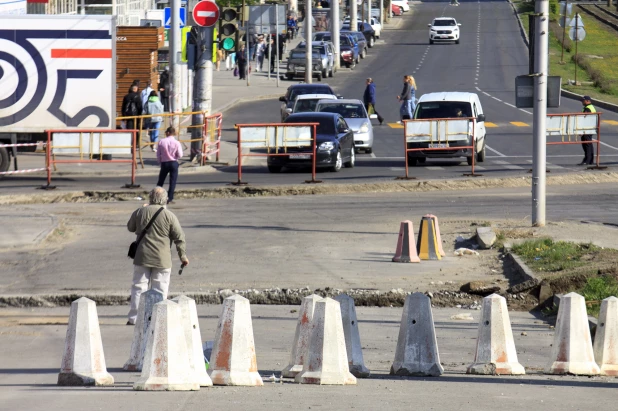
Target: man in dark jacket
(132, 106)
(241, 59)
(369, 98)
(164, 89)
(272, 49)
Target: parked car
(354, 113)
(348, 47)
(297, 61)
(296, 90)
(363, 47)
(401, 3)
(447, 105)
(396, 10)
(444, 29)
(334, 139)
(376, 26)
(364, 28)
(327, 55)
(308, 102)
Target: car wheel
(369, 150)
(332, 72)
(290, 76)
(5, 160)
(363, 54)
(480, 156)
(457, 41)
(325, 73)
(430, 41)
(371, 42)
(469, 160)
(338, 163)
(350, 164)
(348, 65)
(274, 169)
(412, 161)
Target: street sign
(577, 35)
(206, 13)
(167, 17)
(577, 20)
(524, 91)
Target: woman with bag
(153, 107)
(407, 98)
(369, 98)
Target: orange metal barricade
(572, 133)
(51, 161)
(439, 141)
(211, 137)
(277, 148)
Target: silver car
(326, 50)
(354, 113)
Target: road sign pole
(202, 85)
(175, 59)
(353, 19)
(540, 112)
(334, 23)
(279, 57)
(308, 49)
(576, 41)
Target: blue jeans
(406, 109)
(171, 168)
(153, 126)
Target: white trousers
(159, 279)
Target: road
(491, 54)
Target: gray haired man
(153, 260)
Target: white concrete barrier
(495, 346)
(193, 336)
(301, 337)
(233, 361)
(417, 348)
(140, 332)
(166, 362)
(353, 345)
(572, 349)
(83, 361)
(606, 338)
(327, 360)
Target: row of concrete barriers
(167, 344)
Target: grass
(545, 255)
(600, 41)
(596, 290)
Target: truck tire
(480, 156)
(5, 160)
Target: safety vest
(590, 107)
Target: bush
(558, 31)
(597, 289)
(605, 84)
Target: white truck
(56, 72)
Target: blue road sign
(167, 17)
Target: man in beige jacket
(153, 260)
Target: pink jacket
(169, 149)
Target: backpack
(132, 108)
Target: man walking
(132, 106)
(164, 88)
(588, 148)
(168, 153)
(153, 259)
(241, 58)
(369, 98)
(145, 94)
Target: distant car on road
(365, 28)
(307, 102)
(296, 66)
(296, 90)
(396, 10)
(354, 113)
(335, 144)
(444, 29)
(363, 46)
(376, 26)
(403, 4)
(327, 55)
(348, 47)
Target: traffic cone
(301, 337)
(606, 338)
(426, 245)
(352, 336)
(140, 332)
(406, 248)
(438, 236)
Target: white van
(450, 104)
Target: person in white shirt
(146, 93)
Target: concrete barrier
(495, 347)
(233, 361)
(572, 349)
(417, 348)
(166, 361)
(301, 337)
(83, 361)
(327, 359)
(193, 337)
(606, 338)
(140, 331)
(427, 244)
(353, 345)
(438, 236)
(406, 248)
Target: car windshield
(300, 54)
(444, 23)
(443, 109)
(349, 110)
(326, 125)
(305, 105)
(317, 89)
(319, 49)
(343, 40)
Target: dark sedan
(365, 28)
(335, 144)
(362, 42)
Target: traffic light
(228, 28)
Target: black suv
(366, 29)
(300, 89)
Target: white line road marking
(398, 169)
(487, 94)
(479, 167)
(607, 145)
(434, 168)
(496, 98)
(372, 155)
(508, 104)
(525, 111)
(549, 166)
(495, 151)
(477, 89)
(508, 165)
(556, 156)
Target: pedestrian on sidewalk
(146, 93)
(272, 50)
(131, 106)
(260, 49)
(241, 57)
(153, 259)
(220, 56)
(407, 97)
(588, 147)
(164, 88)
(154, 107)
(168, 154)
(369, 98)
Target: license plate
(438, 146)
(300, 156)
(444, 37)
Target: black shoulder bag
(134, 244)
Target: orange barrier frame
(408, 150)
(313, 152)
(597, 141)
(212, 127)
(52, 162)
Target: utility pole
(382, 14)
(175, 58)
(279, 57)
(369, 11)
(202, 85)
(540, 112)
(334, 21)
(308, 23)
(353, 19)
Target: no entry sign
(206, 13)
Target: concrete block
(572, 349)
(495, 346)
(438, 236)
(193, 336)
(406, 247)
(140, 331)
(606, 339)
(485, 237)
(427, 245)
(301, 337)
(233, 361)
(83, 361)
(417, 347)
(327, 359)
(166, 362)
(353, 345)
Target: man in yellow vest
(588, 147)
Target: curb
(527, 279)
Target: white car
(354, 113)
(307, 102)
(401, 3)
(444, 29)
(376, 26)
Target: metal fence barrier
(570, 126)
(31, 170)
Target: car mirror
(459, 24)
(480, 118)
(339, 96)
(373, 116)
(288, 110)
(282, 98)
(429, 25)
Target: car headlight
(364, 128)
(326, 146)
(316, 67)
(432, 29)
(291, 67)
(346, 53)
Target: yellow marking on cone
(490, 124)
(427, 245)
(395, 125)
(519, 124)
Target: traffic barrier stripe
(30, 170)
(426, 245)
